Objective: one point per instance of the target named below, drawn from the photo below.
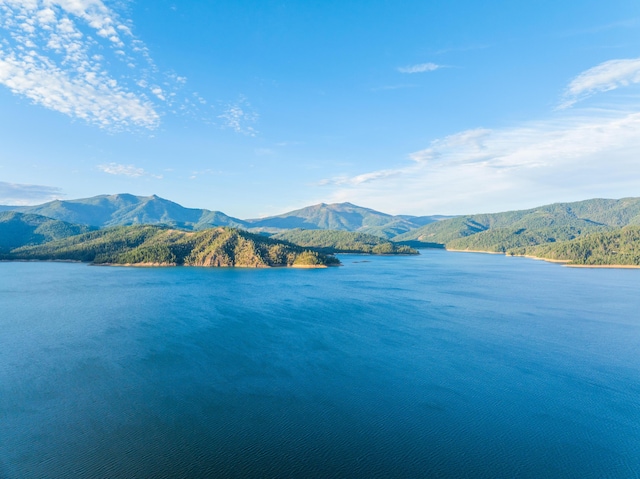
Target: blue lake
(442, 365)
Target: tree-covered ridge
(333, 241)
(503, 240)
(340, 216)
(585, 216)
(124, 209)
(617, 247)
(18, 229)
(166, 246)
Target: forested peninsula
(148, 245)
(597, 232)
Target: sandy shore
(472, 251)
(169, 265)
(604, 266)
(40, 261)
(564, 262)
(548, 260)
(137, 265)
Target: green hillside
(19, 229)
(559, 220)
(501, 240)
(333, 241)
(339, 216)
(124, 209)
(166, 246)
(618, 247)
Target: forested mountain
(339, 216)
(618, 247)
(561, 219)
(339, 227)
(333, 241)
(125, 209)
(501, 240)
(19, 229)
(161, 245)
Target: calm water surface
(443, 365)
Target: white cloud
(607, 76)
(77, 57)
(567, 158)
(419, 68)
(573, 154)
(126, 170)
(360, 179)
(239, 117)
(87, 98)
(19, 194)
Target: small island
(336, 241)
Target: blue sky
(256, 108)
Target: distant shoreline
(563, 262)
(42, 261)
(472, 251)
(165, 265)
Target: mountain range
(592, 231)
(125, 209)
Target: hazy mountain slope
(19, 229)
(162, 245)
(337, 216)
(125, 209)
(584, 216)
(334, 241)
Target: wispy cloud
(80, 58)
(626, 23)
(240, 117)
(607, 76)
(393, 87)
(573, 154)
(419, 68)
(360, 179)
(21, 194)
(126, 170)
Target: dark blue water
(443, 365)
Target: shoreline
(473, 251)
(165, 265)
(604, 266)
(564, 262)
(42, 261)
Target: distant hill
(161, 245)
(19, 229)
(558, 221)
(333, 241)
(125, 209)
(340, 216)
